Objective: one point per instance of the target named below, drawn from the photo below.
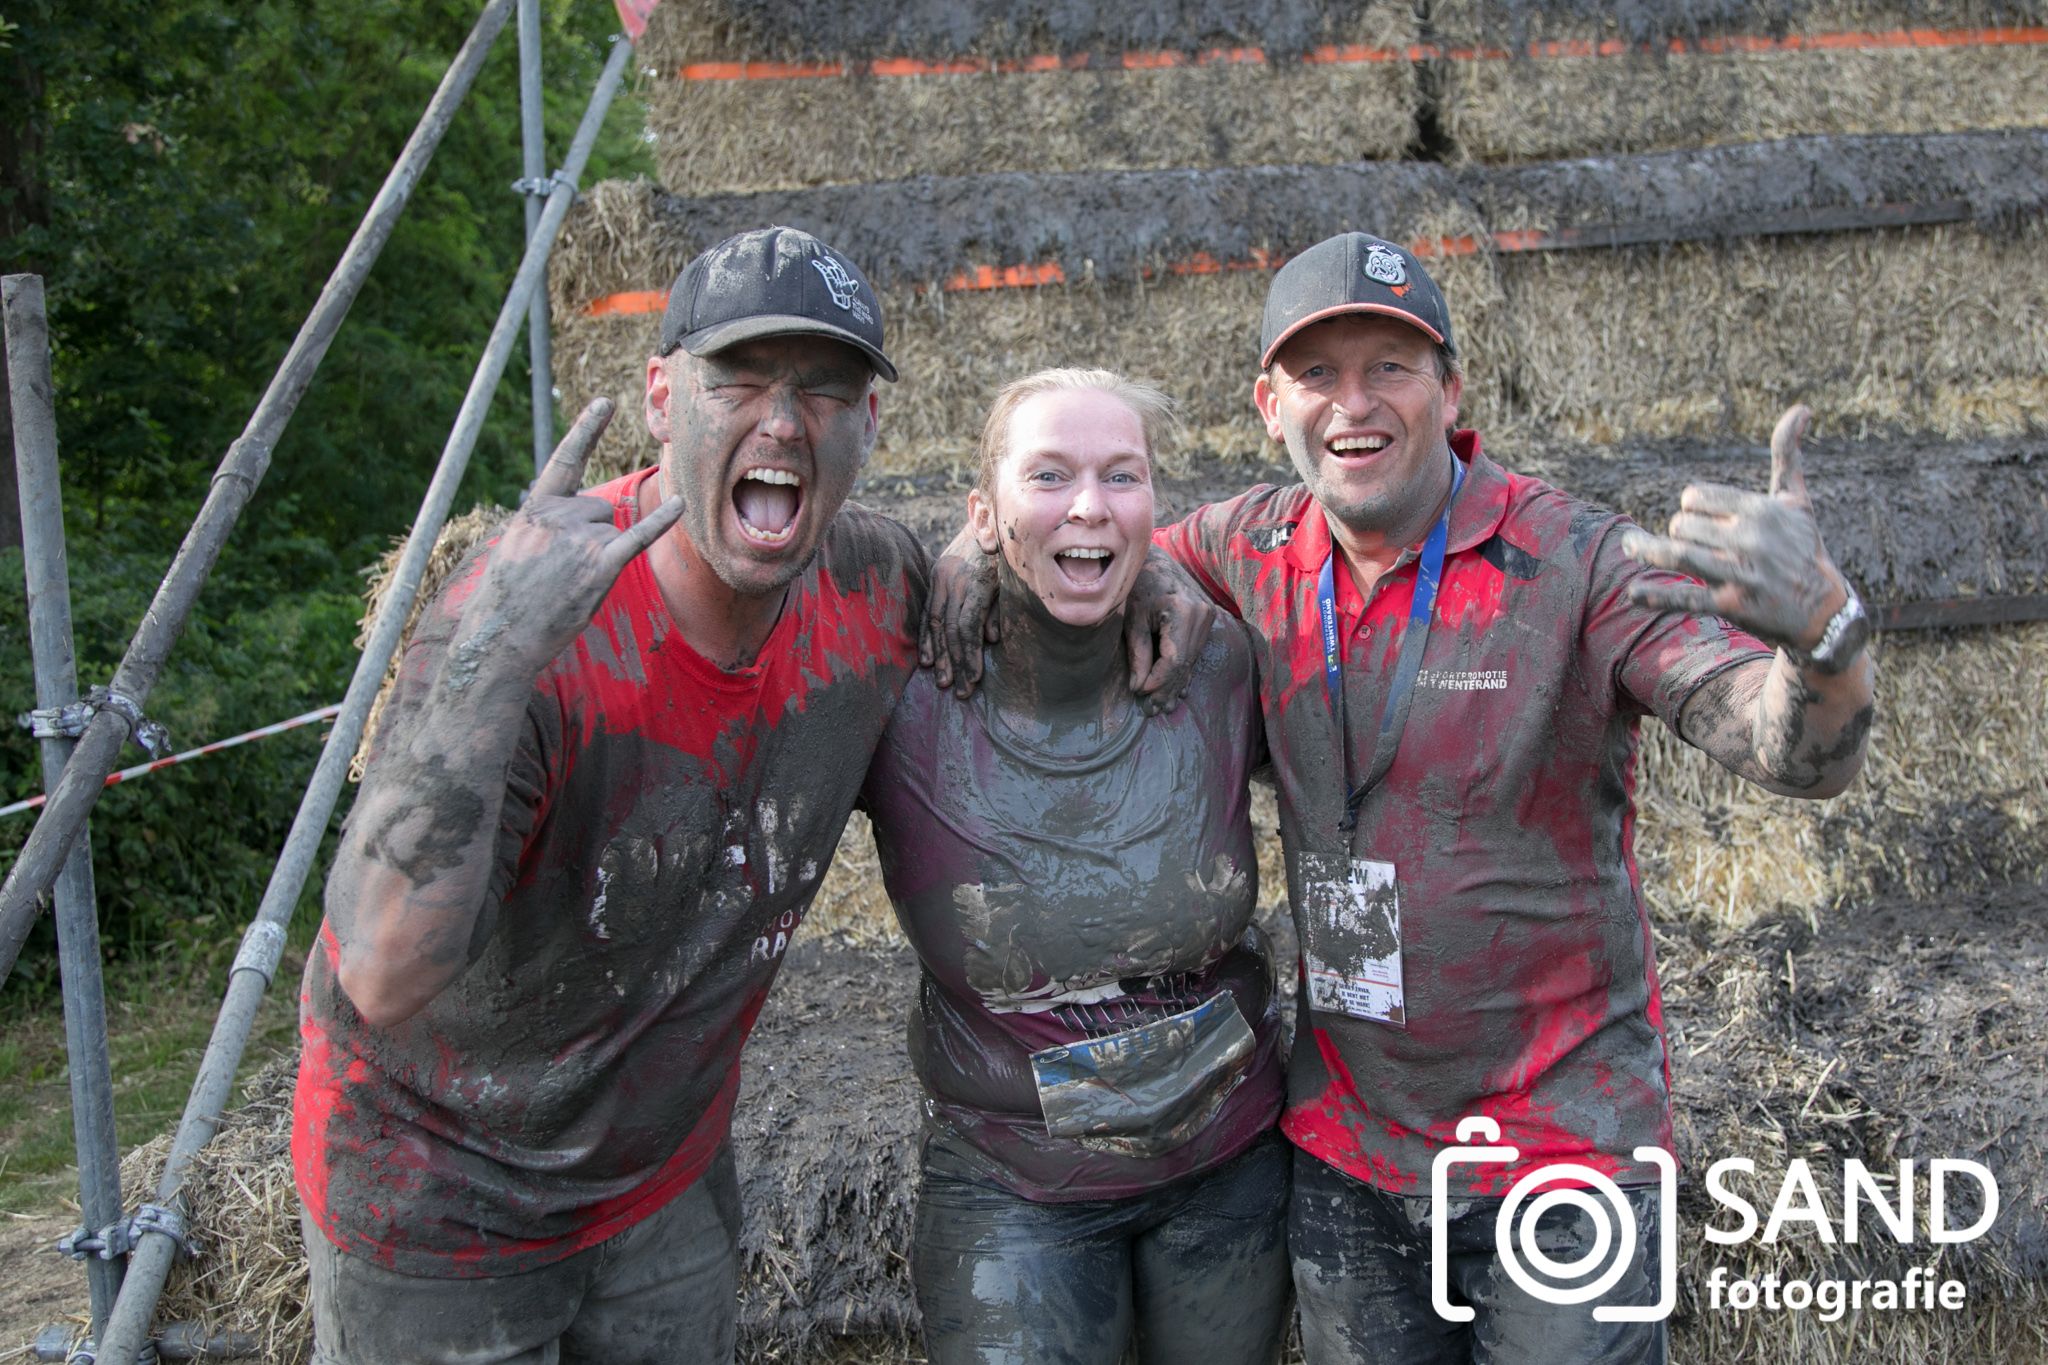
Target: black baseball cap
(773, 281)
(1353, 272)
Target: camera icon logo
(1572, 1185)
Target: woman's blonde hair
(1154, 409)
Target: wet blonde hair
(1154, 409)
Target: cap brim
(710, 340)
(1383, 309)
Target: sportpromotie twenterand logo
(1874, 1205)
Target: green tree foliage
(184, 175)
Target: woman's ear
(981, 520)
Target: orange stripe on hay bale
(631, 301)
(981, 278)
(1345, 54)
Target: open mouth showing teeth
(1085, 567)
(1358, 445)
(767, 501)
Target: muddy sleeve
(1655, 659)
(1200, 543)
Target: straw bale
(1120, 226)
(829, 30)
(1652, 97)
(1516, 24)
(248, 1270)
(1953, 793)
(1906, 519)
(1577, 106)
(1937, 330)
(719, 136)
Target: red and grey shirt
(1507, 815)
(666, 824)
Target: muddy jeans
(1362, 1276)
(1196, 1270)
(664, 1290)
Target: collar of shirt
(1478, 513)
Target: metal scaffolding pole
(534, 186)
(256, 963)
(49, 627)
(234, 483)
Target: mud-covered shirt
(1057, 898)
(1529, 994)
(665, 826)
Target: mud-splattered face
(763, 442)
(1071, 507)
(1359, 405)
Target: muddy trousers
(1362, 1277)
(664, 1290)
(1196, 1270)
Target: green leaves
(185, 175)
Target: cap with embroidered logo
(774, 281)
(1353, 272)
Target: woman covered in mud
(1096, 1032)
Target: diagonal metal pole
(241, 469)
(78, 920)
(256, 963)
(533, 167)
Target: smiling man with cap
(620, 751)
(1454, 660)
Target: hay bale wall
(1939, 328)
(716, 131)
(743, 96)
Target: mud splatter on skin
(433, 821)
(466, 658)
(1767, 736)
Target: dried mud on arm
(415, 864)
(1798, 723)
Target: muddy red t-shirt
(666, 824)
(1093, 893)
(1515, 940)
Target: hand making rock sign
(554, 562)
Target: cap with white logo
(1352, 273)
(775, 281)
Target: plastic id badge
(1351, 938)
(1147, 1090)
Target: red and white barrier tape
(324, 713)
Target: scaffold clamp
(119, 1238)
(69, 721)
(541, 186)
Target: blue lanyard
(1429, 572)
